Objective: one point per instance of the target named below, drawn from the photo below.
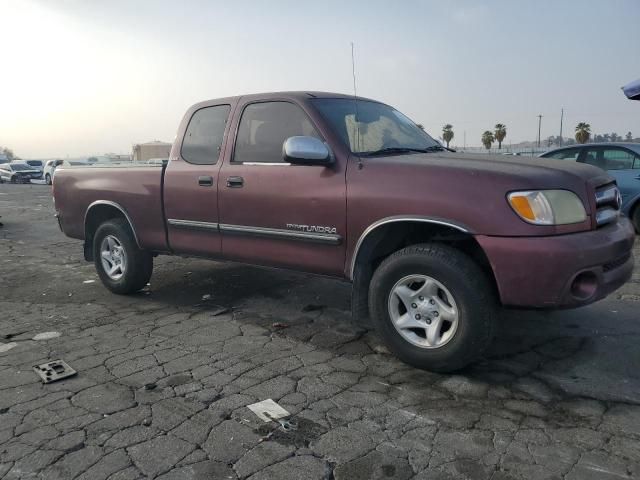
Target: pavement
(164, 378)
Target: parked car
(50, 169)
(37, 165)
(432, 240)
(620, 160)
(17, 172)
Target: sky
(84, 77)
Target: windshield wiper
(392, 150)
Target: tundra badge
(311, 228)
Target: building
(146, 151)
(118, 158)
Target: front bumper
(561, 271)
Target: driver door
(275, 213)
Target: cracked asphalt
(164, 378)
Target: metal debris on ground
(89, 281)
(53, 371)
(206, 297)
(46, 336)
(287, 425)
(268, 410)
(279, 325)
(220, 311)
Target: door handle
(235, 182)
(205, 181)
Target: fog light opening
(584, 285)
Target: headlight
(548, 207)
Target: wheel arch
(388, 235)
(97, 213)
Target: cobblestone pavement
(164, 378)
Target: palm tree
(487, 139)
(447, 133)
(500, 133)
(629, 136)
(583, 132)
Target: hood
(470, 190)
(535, 172)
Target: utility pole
(561, 118)
(465, 140)
(539, 125)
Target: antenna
(355, 102)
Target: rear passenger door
(190, 184)
(275, 213)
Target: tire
(635, 218)
(458, 289)
(13, 180)
(48, 179)
(136, 265)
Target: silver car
(18, 172)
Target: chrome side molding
(192, 224)
(331, 239)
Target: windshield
(378, 127)
(20, 166)
(34, 163)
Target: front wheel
(48, 179)
(121, 265)
(433, 306)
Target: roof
(631, 145)
(294, 95)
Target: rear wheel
(48, 179)
(121, 265)
(433, 306)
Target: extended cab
(432, 240)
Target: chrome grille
(608, 203)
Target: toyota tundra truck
(433, 241)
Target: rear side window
(265, 126)
(204, 136)
(568, 154)
(618, 159)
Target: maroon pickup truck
(432, 240)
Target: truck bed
(135, 188)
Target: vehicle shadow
(546, 354)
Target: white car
(50, 168)
(36, 164)
(18, 172)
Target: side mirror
(306, 151)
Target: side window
(568, 154)
(204, 136)
(617, 159)
(265, 126)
